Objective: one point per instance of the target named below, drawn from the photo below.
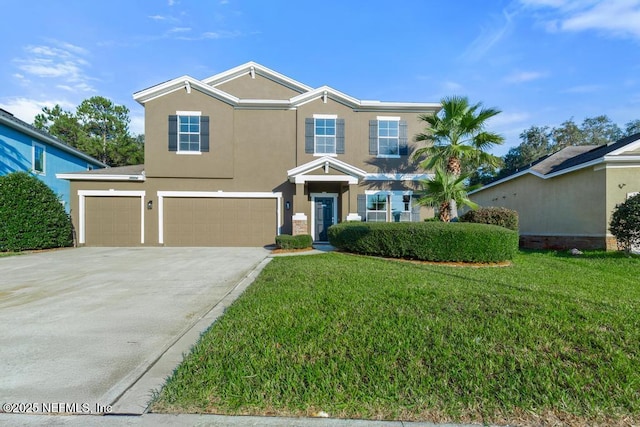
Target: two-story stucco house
(237, 158)
(27, 149)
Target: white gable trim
(256, 68)
(297, 174)
(632, 146)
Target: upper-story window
(388, 137)
(38, 158)
(324, 135)
(189, 132)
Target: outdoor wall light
(287, 205)
(150, 204)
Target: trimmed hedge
(31, 216)
(503, 217)
(301, 241)
(427, 241)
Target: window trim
(333, 117)
(35, 145)
(389, 119)
(190, 114)
(389, 209)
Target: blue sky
(540, 61)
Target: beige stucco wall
(160, 162)
(260, 87)
(357, 136)
(569, 204)
(620, 182)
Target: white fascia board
(398, 176)
(632, 146)
(539, 175)
(268, 73)
(302, 179)
(319, 93)
(222, 194)
(99, 177)
(622, 159)
(179, 83)
(112, 192)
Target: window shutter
(415, 211)
(373, 137)
(309, 133)
(403, 140)
(362, 206)
(339, 136)
(173, 133)
(204, 134)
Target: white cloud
(504, 120)
(452, 86)
(179, 30)
(489, 37)
(616, 18)
(26, 109)
(583, 89)
(524, 76)
(60, 62)
(158, 17)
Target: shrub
(31, 216)
(429, 241)
(625, 223)
(503, 217)
(301, 241)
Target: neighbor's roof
(13, 122)
(120, 173)
(576, 157)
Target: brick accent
(300, 225)
(567, 242)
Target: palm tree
(443, 189)
(458, 138)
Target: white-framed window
(388, 136)
(38, 158)
(377, 207)
(389, 206)
(188, 132)
(324, 134)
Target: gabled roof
(299, 175)
(573, 158)
(8, 119)
(209, 86)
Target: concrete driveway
(94, 330)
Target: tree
(457, 137)
(31, 215)
(536, 142)
(458, 141)
(442, 189)
(631, 128)
(625, 224)
(99, 127)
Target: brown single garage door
(112, 221)
(219, 221)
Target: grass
(551, 339)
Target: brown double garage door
(117, 221)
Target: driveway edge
(136, 398)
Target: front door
(324, 217)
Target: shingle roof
(10, 120)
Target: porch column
(352, 198)
(301, 209)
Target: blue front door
(324, 218)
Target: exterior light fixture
(150, 204)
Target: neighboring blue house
(25, 148)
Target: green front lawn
(551, 338)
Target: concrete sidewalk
(152, 420)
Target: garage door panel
(219, 221)
(112, 221)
